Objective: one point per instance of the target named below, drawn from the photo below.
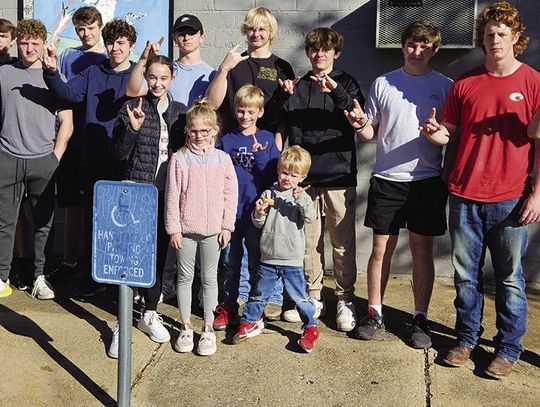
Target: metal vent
(455, 18)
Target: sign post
(124, 253)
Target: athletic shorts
(420, 206)
(68, 185)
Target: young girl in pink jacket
(200, 209)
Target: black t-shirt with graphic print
(264, 73)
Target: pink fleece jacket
(201, 193)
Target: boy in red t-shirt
(491, 196)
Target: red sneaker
(310, 335)
(222, 318)
(248, 330)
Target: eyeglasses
(201, 132)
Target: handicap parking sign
(124, 233)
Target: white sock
(377, 308)
(424, 313)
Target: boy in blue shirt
(254, 154)
(102, 88)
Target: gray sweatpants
(209, 257)
(33, 177)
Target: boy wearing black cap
(193, 75)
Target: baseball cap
(189, 21)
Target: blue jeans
(295, 285)
(241, 261)
(475, 226)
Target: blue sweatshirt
(255, 171)
(103, 89)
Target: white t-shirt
(163, 157)
(398, 103)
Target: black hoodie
(316, 122)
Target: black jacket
(316, 122)
(139, 150)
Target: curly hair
(502, 12)
(117, 28)
(30, 28)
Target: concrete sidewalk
(53, 354)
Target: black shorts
(420, 206)
(68, 184)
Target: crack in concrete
(427, 377)
(153, 358)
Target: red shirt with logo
(494, 156)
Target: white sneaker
(292, 315)
(152, 325)
(207, 342)
(345, 316)
(184, 343)
(112, 352)
(5, 289)
(42, 289)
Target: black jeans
(33, 177)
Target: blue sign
(124, 233)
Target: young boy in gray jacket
(281, 213)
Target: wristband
(362, 127)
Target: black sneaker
(21, 274)
(370, 326)
(419, 333)
(89, 291)
(63, 273)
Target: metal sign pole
(125, 312)
(124, 252)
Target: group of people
(255, 162)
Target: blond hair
(249, 96)
(201, 110)
(296, 160)
(258, 17)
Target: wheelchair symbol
(121, 216)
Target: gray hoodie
(282, 239)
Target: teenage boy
(29, 151)
(102, 88)
(313, 118)
(88, 24)
(254, 154)
(406, 189)
(281, 213)
(192, 74)
(492, 197)
(7, 39)
(257, 66)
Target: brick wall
(355, 20)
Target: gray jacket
(282, 238)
